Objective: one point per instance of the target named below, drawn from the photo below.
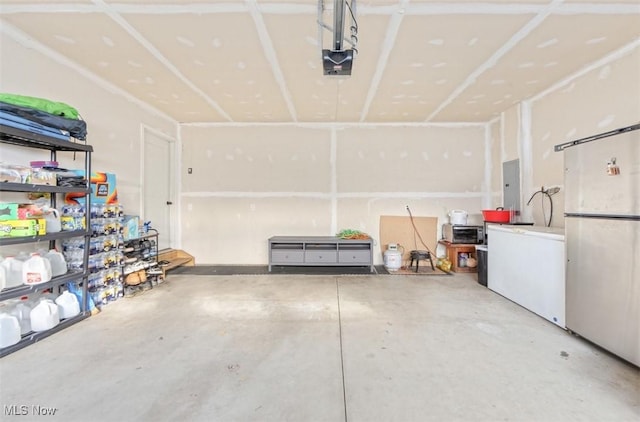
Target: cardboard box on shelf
(103, 189)
(8, 211)
(19, 228)
(29, 211)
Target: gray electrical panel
(511, 185)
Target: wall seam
(488, 167)
(334, 180)
(526, 154)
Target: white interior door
(158, 188)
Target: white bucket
(458, 217)
(44, 316)
(68, 305)
(58, 263)
(9, 330)
(36, 270)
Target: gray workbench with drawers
(320, 251)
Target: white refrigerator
(602, 234)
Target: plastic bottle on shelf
(13, 271)
(52, 217)
(9, 330)
(3, 276)
(58, 263)
(36, 270)
(44, 315)
(22, 311)
(68, 305)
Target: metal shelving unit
(27, 139)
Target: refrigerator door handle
(605, 216)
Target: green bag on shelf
(48, 106)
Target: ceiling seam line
(160, 57)
(329, 195)
(338, 125)
(26, 41)
(514, 8)
(390, 39)
(270, 54)
(609, 58)
(498, 54)
(463, 8)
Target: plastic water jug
(13, 271)
(47, 266)
(3, 277)
(52, 217)
(44, 316)
(9, 330)
(68, 305)
(22, 312)
(58, 263)
(36, 270)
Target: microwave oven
(463, 234)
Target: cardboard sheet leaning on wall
(398, 229)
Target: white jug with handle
(3, 277)
(52, 217)
(22, 311)
(58, 263)
(13, 271)
(68, 305)
(9, 330)
(36, 270)
(44, 316)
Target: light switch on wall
(189, 170)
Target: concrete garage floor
(319, 348)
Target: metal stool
(418, 255)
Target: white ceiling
(259, 60)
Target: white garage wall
(252, 182)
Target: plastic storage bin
(481, 252)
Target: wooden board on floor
(398, 229)
(175, 258)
